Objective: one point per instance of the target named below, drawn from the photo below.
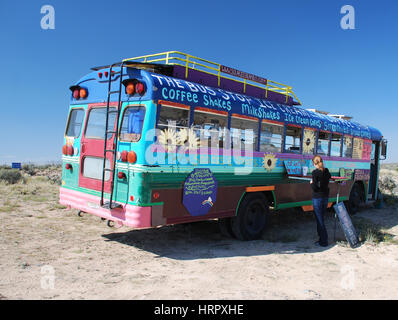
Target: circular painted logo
(200, 192)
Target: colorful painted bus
(171, 138)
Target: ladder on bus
(111, 204)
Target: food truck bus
(171, 138)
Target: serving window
(323, 143)
(335, 145)
(210, 128)
(293, 139)
(271, 137)
(172, 125)
(244, 133)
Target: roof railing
(188, 61)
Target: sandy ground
(48, 252)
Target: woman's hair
(314, 161)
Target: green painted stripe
(304, 203)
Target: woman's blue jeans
(320, 206)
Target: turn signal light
(65, 150)
(78, 92)
(130, 89)
(132, 157)
(83, 93)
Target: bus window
(271, 137)
(357, 148)
(75, 123)
(96, 123)
(133, 120)
(323, 143)
(244, 131)
(210, 128)
(309, 141)
(171, 121)
(347, 147)
(293, 139)
(335, 149)
(373, 152)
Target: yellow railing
(191, 62)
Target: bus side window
(171, 121)
(271, 137)
(293, 139)
(244, 133)
(133, 120)
(75, 123)
(335, 149)
(210, 128)
(323, 143)
(347, 147)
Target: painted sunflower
(187, 137)
(168, 139)
(347, 142)
(309, 141)
(269, 162)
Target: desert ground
(48, 252)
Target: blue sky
(299, 43)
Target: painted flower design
(188, 138)
(269, 162)
(309, 141)
(347, 142)
(168, 139)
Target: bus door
(92, 148)
(374, 167)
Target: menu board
(200, 191)
(362, 174)
(293, 167)
(367, 149)
(357, 148)
(346, 224)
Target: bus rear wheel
(251, 219)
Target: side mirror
(383, 149)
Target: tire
(354, 200)
(251, 219)
(225, 227)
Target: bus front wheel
(354, 200)
(251, 219)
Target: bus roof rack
(338, 116)
(187, 67)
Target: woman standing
(320, 196)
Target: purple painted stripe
(226, 152)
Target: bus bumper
(128, 215)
